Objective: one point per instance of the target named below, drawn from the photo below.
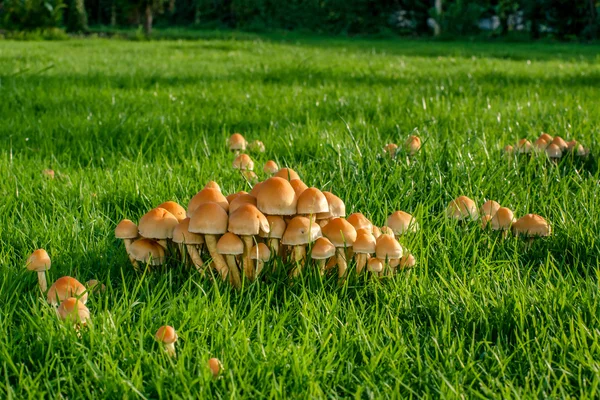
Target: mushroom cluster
(553, 147)
(497, 218)
(412, 145)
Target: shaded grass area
(127, 125)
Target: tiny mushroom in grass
(167, 335)
(158, 224)
(147, 251)
(554, 152)
(207, 195)
(250, 176)
(390, 149)
(275, 233)
(210, 220)
(407, 261)
(359, 221)
(270, 167)
(39, 261)
(243, 162)
(48, 173)
(190, 242)
(312, 202)
(128, 232)
(508, 149)
(215, 367)
(261, 254)
(287, 173)
(299, 232)
(462, 208)
(402, 222)
(74, 310)
(257, 146)
(299, 186)
(342, 234)
(388, 249)
(376, 231)
(175, 209)
(230, 245)
(363, 246)
(375, 265)
(540, 144)
(95, 286)
(321, 251)
(386, 230)
(546, 137)
(237, 143)
(64, 288)
(582, 151)
(277, 197)
(490, 208)
(502, 220)
(485, 221)
(247, 221)
(560, 143)
(413, 145)
(212, 185)
(524, 146)
(531, 226)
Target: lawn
(127, 125)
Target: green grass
(127, 125)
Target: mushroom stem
(299, 254)
(361, 261)
(274, 245)
(42, 281)
(246, 260)
(131, 259)
(170, 349)
(341, 261)
(321, 266)
(504, 234)
(218, 260)
(260, 264)
(163, 243)
(234, 272)
(195, 257)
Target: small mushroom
(560, 143)
(215, 366)
(237, 143)
(230, 245)
(342, 234)
(375, 266)
(462, 208)
(359, 221)
(531, 226)
(64, 288)
(175, 209)
(190, 242)
(247, 221)
(261, 254)
(287, 174)
(158, 224)
(299, 232)
(524, 146)
(311, 203)
(490, 208)
(257, 146)
(363, 246)
(167, 335)
(48, 173)
(407, 261)
(322, 250)
(337, 209)
(39, 261)
(276, 230)
(128, 232)
(277, 197)
(240, 200)
(390, 149)
(210, 220)
(502, 221)
(147, 251)
(546, 137)
(95, 286)
(207, 195)
(243, 162)
(540, 144)
(270, 167)
(412, 144)
(554, 152)
(388, 249)
(212, 185)
(74, 310)
(299, 186)
(402, 222)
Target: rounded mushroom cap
(260, 252)
(503, 219)
(490, 208)
(340, 232)
(95, 286)
(391, 149)
(215, 366)
(230, 243)
(237, 142)
(175, 209)
(166, 334)
(182, 234)
(553, 151)
(337, 208)
(546, 137)
(64, 288)
(560, 143)
(73, 310)
(276, 227)
(256, 189)
(147, 250)
(299, 186)
(541, 144)
(209, 219)
(240, 200)
(243, 162)
(485, 221)
(365, 243)
(413, 144)
(524, 146)
(312, 201)
(359, 221)
(407, 261)
(375, 265)
(582, 151)
(157, 223)
(462, 208)
(508, 149)
(572, 145)
(301, 231)
(376, 231)
(126, 229)
(386, 230)
(322, 249)
(402, 222)
(388, 247)
(257, 145)
(230, 198)
(277, 197)
(212, 185)
(207, 195)
(531, 225)
(287, 174)
(248, 220)
(38, 261)
(270, 167)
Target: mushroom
(502, 220)
(407, 261)
(175, 209)
(531, 226)
(215, 366)
(388, 249)
(261, 253)
(241, 200)
(95, 286)
(363, 246)
(299, 186)
(167, 335)
(376, 231)
(485, 221)
(230, 198)
(230, 245)
(359, 221)
(540, 144)
(237, 143)
(287, 174)
(560, 143)
(390, 149)
(255, 189)
(375, 266)
(300, 231)
(212, 185)
(64, 288)
(276, 230)
(322, 250)
(311, 203)
(243, 162)
(276, 197)
(337, 209)
(554, 152)
(462, 208)
(128, 232)
(73, 310)
(148, 251)
(158, 224)
(247, 221)
(207, 195)
(413, 144)
(257, 146)
(270, 167)
(546, 137)
(402, 222)
(192, 241)
(508, 149)
(39, 261)
(48, 173)
(386, 230)
(524, 146)
(490, 208)
(210, 219)
(250, 176)
(342, 234)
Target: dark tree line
(559, 18)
